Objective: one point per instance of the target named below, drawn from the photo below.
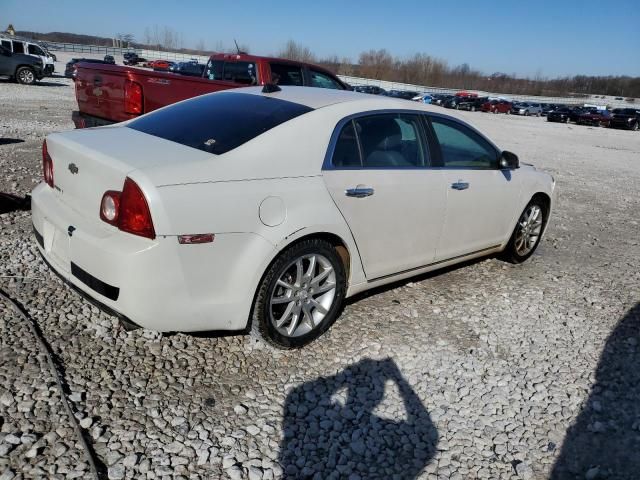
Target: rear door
(481, 198)
(378, 174)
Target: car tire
(527, 232)
(25, 76)
(312, 313)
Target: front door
(481, 198)
(393, 203)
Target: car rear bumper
(157, 284)
(82, 120)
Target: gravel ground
(487, 370)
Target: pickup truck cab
(107, 94)
(24, 69)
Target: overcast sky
(551, 38)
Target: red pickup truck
(110, 93)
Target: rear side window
(6, 44)
(18, 47)
(461, 147)
(240, 72)
(381, 141)
(285, 74)
(219, 122)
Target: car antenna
(240, 52)
(271, 88)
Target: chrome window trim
(327, 164)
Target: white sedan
(265, 209)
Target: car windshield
(220, 122)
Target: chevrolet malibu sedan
(266, 209)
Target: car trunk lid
(88, 162)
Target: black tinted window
(461, 147)
(284, 74)
(240, 72)
(18, 47)
(390, 141)
(346, 153)
(214, 69)
(218, 122)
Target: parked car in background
(404, 94)
(497, 106)
(161, 65)
(384, 199)
(549, 107)
(454, 101)
(526, 109)
(628, 118)
(24, 69)
(423, 98)
(472, 104)
(132, 58)
(109, 59)
(440, 98)
(370, 89)
(25, 46)
(70, 67)
(562, 115)
(192, 69)
(123, 93)
(596, 118)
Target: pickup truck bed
(101, 91)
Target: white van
(17, 45)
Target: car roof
(321, 97)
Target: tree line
(423, 69)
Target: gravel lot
(484, 371)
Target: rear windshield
(220, 122)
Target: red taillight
(128, 210)
(47, 165)
(132, 97)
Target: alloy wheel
(302, 295)
(26, 76)
(528, 230)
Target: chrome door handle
(359, 192)
(460, 185)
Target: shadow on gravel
(11, 203)
(9, 141)
(604, 442)
(331, 429)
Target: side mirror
(509, 161)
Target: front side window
(461, 147)
(322, 80)
(6, 44)
(381, 141)
(35, 50)
(285, 74)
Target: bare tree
(295, 51)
